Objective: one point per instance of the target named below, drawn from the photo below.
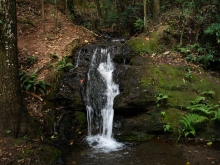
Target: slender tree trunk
(145, 14)
(70, 5)
(11, 107)
(98, 6)
(99, 11)
(43, 16)
(156, 10)
(56, 18)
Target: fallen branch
(32, 94)
(90, 31)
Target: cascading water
(100, 93)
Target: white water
(104, 141)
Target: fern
(191, 118)
(200, 104)
(204, 108)
(198, 100)
(213, 29)
(217, 115)
(189, 121)
(139, 25)
(208, 93)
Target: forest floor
(38, 44)
(36, 48)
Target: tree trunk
(99, 11)
(145, 14)
(70, 5)
(98, 6)
(43, 16)
(156, 10)
(11, 107)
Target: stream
(154, 152)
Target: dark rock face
(140, 79)
(72, 89)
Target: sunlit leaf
(8, 131)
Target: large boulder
(155, 90)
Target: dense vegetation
(195, 23)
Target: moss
(50, 121)
(43, 154)
(81, 118)
(141, 45)
(172, 116)
(170, 81)
(49, 154)
(136, 137)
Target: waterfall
(100, 93)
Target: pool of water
(154, 152)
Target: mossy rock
(143, 81)
(141, 45)
(172, 116)
(136, 137)
(41, 154)
(150, 43)
(80, 118)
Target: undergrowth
(30, 83)
(201, 112)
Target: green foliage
(214, 29)
(162, 113)
(32, 59)
(166, 127)
(122, 19)
(208, 93)
(201, 105)
(189, 121)
(88, 24)
(53, 137)
(128, 14)
(80, 118)
(112, 18)
(188, 75)
(161, 98)
(199, 54)
(30, 83)
(202, 111)
(53, 55)
(7, 131)
(139, 25)
(63, 64)
(216, 115)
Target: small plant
(26, 138)
(162, 113)
(188, 75)
(166, 127)
(139, 25)
(53, 137)
(201, 111)
(208, 93)
(30, 83)
(199, 54)
(32, 59)
(214, 29)
(63, 64)
(216, 115)
(189, 122)
(160, 98)
(53, 55)
(8, 131)
(201, 105)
